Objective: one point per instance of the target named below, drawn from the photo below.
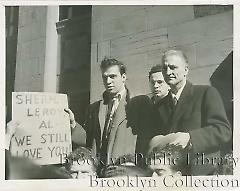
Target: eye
(172, 67)
(112, 76)
(84, 172)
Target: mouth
(171, 77)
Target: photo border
(72, 185)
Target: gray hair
(174, 52)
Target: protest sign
(44, 134)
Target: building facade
(59, 48)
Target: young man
(81, 164)
(194, 113)
(125, 166)
(167, 160)
(144, 111)
(106, 127)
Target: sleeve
(215, 129)
(79, 133)
(133, 113)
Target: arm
(215, 128)
(78, 132)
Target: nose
(168, 71)
(154, 174)
(108, 80)
(155, 84)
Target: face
(175, 69)
(163, 170)
(158, 85)
(82, 170)
(113, 80)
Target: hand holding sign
(71, 118)
(10, 132)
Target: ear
(124, 77)
(186, 70)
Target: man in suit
(144, 111)
(107, 131)
(195, 113)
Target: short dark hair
(175, 151)
(80, 153)
(155, 69)
(125, 159)
(174, 52)
(108, 62)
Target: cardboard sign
(44, 133)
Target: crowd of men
(128, 136)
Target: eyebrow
(104, 75)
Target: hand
(12, 128)
(71, 118)
(181, 139)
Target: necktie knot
(117, 97)
(175, 101)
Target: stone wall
(31, 48)
(138, 35)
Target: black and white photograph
(120, 96)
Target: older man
(194, 112)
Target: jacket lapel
(102, 116)
(181, 107)
(119, 117)
(164, 108)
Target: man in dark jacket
(144, 111)
(195, 113)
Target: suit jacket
(121, 141)
(199, 111)
(143, 117)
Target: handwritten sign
(44, 134)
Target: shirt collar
(119, 95)
(122, 94)
(178, 94)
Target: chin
(112, 92)
(171, 82)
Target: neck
(158, 98)
(120, 92)
(176, 87)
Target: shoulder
(204, 88)
(208, 94)
(140, 100)
(94, 106)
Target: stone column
(52, 50)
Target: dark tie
(172, 103)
